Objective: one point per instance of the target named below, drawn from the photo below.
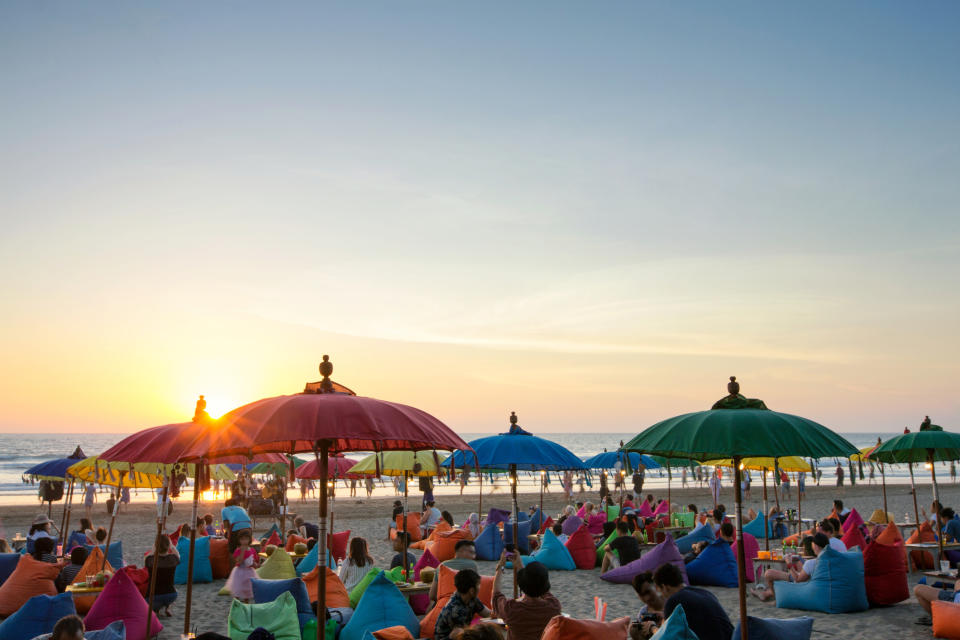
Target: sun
(219, 404)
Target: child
(244, 558)
(208, 525)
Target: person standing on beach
(638, 478)
(568, 485)
(801, 484)
(715, 486)
(839, 473)
(89, 495)
(683, 477)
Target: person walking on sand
(839, 472)
(568, 485)
(89, 495)
(716, 484)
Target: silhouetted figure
(200, 412)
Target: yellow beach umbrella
(398, 463)
(787, 463)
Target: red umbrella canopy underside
(337, 467)
(167, 443)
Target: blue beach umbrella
(608, 459)
(55, 469)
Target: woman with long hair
(357, 564)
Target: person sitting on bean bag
(465, 554)
(527, 616)
(818, 542)
(926, 594)
(626, 546)
(463, 605)
(829, 529)
(711, 621)
(651, 613)
(726, 534)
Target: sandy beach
(575, 589)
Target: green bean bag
(601, 550)
(279, 566)
(357, 592)
(278, 617)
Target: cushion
(269, 590)
(398, 632)
(890, 534)
(489, 543)
(309, 562)
(90, 568)
(337, 543)
(571, 524)
(413, 526)
(278, 617)
(357, 592)
(277, 567)
(853, 521)
(562, 628)
(30, 578)
(750, 549)
(220, 562)
(580, 546)
(202, 571)
(703, 533)
(776, 628)
(715, 566)
(600, 548)
(922, 559)
(854, 538)
(386, 607)
(337, 596)
(552, 554)
(756, 529)
(76, 539)
(946, 620)
(885, 574)
(293, 540)
(120, 600)
(676, 627)
(116, 630)
(443, 548)
(420, 602)
(664, 552)
(8, 562)
(523, 535)
(114, 554)
(837, 585)
(36, 616)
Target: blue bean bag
(309, 562)
(552, 554)
(116, 630)
(755, 527)
(536, 521)
(202, 571)
(715, 566)
(836, 585)
(489, 543)
(523, 533)
(114, 555)
(270, 590)
(522, 516)
(8, 562)
(703, 533)
(37, 616)
(776, 629)
(76, 539)
(675, 627)
(381, 606)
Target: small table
(762, 564)
(931, 547)
(78, 590)
(941, 575)
(415, 588)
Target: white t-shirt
(837, 545)
(809, 566)
(433, 516)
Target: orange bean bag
(890, 535)
(413, 527)
(561, 628)
(90, 568)
(946, 620)
(30, 578)
(337, 595)
(443, 548)
(922, 559)
(445, 589)
(220, 562)
(441, 527)
(398, 632)
(292, 540)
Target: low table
(415, 588)
(930, 547)
(77, 590)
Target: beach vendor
(526, 617)
(235, 519)
(464, 604)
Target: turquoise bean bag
(202, 571)
(269, 590)
(836, 586)
(676, 627)
(552, 554)
(381, 606)
(755, 528)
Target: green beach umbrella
(737, 427)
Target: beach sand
(575, 589)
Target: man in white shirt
(430, 517)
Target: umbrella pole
(936, 496)
(480, 496)
(193, 543)
(67, 505)
(913, 490)
(542, 477)
(406, 537)
(766, 531)
(516, 526)
(883, 484)
(161, 522)
(113, 518)
(741, 561)
(776, 488)
(799, 521)
(669, 477)
(322, 462)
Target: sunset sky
(588, 214)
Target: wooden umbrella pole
(669, 477)
(766, 531)
(161, 522)
(67, 506)
(913, 490)
(936, 497)
(516, 527)
(406, 536)
(480, 496)
(776, 488)
(799, 521)
(542, 477)
(113, 518)
(193, 543)
(741, 560)
(883, 485)
(322, 462)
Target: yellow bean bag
(279, 566)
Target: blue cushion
(309, 562)
(715, 566)
(270, 590)
(776, 629)
(522, 516)
(489, 543)
(114, 555)
(202, 572)
(8, 562)
(836, 585)
(113, 631)
(381, 606)
(755, 527)
(76, 539)
(523, 532)
(552, 554)
(37, 616)
(536, 521)
(675, 627)
(703, 533)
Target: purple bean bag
(496, 516)
(663, 553)
(571, 524)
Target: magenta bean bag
(420, 602)
(121, 600)
(750, 549)
(853, 520)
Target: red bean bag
(946, 620)
(30, 578)
(546, 523)
(922, 559)
(413, 526)
(337, 543)
(443, 548)
(293, 540)
(580, 546)
(90, 568)
(274, 539)
(853, 538)
(120, 600)
(220, 561)
(140, 577)
(337, 595)
(885, 573)
(562, 628)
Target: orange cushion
(442, 526)
(445, 589)
(413, 526)
(443, 548)
(293, 540)
(560, 628)
(428, 623)
(946, 620)
(337, 595)
(398, 632)
(922, 559)
(220, 562)
(30, 578)
(91, 567)
(890, 535)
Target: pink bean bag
(420, 602)
(120, 600)
(750, 549)
(853, 520)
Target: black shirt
(398, 560)
(312, 530)
(627, 547)
(397, 510)
(166, 568)
(705, 615)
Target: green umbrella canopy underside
(917, 446)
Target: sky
(589, 214)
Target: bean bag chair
(357, 592)
(889, 535)
(946, 620)
(571, 524)
(562, 628)
(545, 524)
(885, 574)
(120, 600)
(8, 562)
(36, 616)
(114, 554)
(703, 533)
(292, 541)
(220, 561)
(836, 586)
(536, 520)
(439, 528)
(582, 511)
(756, 529)
(421, 602)
(413, 526)
(385, 607)
(116, 630)
(398, 632)
(76, 539)
(687, 519)
(552, 554)
(715, 566)
(278, 617)
(663, 507)
(489, 543)
(595, 523)
(278, 566)
(496, 516)
(90, 568)
(337, 543)
(613, 512)
(139, 577)
(853, 538)
(776, 628)
(523, 533)
(268, 537)
(310, 561)
(750, 549)
(664, 552)
(853, 521)
(601, 548)
(443, 548)
(922, 559)
(445, 589)
(202, 571)
(30, 578)
(645, 510)
(580, 546)
(269, 590)
(337, 596)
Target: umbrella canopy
(114, 474)
(337, 467)
(864, 453)
(276, 468)
(608, 459)
(919, 446)
(55, 469)
(518, 449)
(397, 463)
(675, 463)
(787, 463)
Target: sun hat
(42, 519)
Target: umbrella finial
(733, 387)
(326, 370)
(513, 417)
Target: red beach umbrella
(337, 467)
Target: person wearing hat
(39, 529)
(527, 616)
